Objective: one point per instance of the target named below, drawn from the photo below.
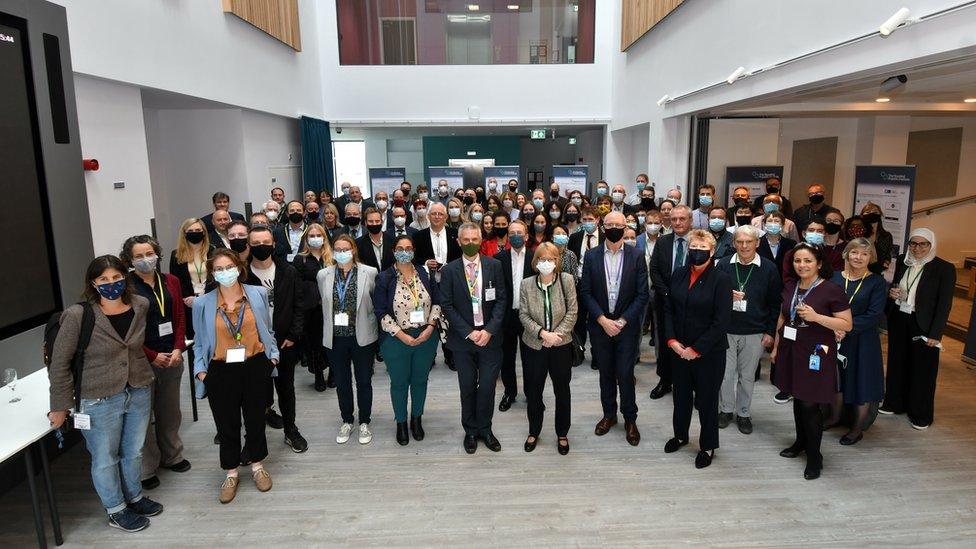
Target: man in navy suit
(516, 265)
(474, 301)
(399, 223)
(614, 289)
(221, 201)
(670, 253)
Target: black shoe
(379, 357)
(296, 441)
(146, 507)
(128, 520)
(848, 440)
(451, 366)
(782, 397)
(704, 459)
(791, 452)
(402, 436)
(660, 390)
(492, 443)
(811, 473)
(886, 411)
(180, 467)
(417, 428)
(470, 443)
(745, 425)
(673, 445)
(217, 439)
(529, 446)
(506, 403)
(320, 385)
(150, 483)
(273, 419)
(594, 366)
(330, 381)
(724, 418)
(563, 448)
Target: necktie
(679, 255)
(589, 241)
(479, 319)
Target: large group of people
(336, 285)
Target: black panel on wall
(55, 84)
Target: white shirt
(648, 250)
(755, 260)
(378, 250)
(518, 271)
(420, 224)
(633, 199)
(477, 287)
(438, 241)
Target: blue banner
(452, 174)
(571, 178)
(751, 177)
(501, 175)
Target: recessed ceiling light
(882, 99)
(473, 7)
(969, 100)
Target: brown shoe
(633, 435)
(603, 427)
(262, 480)
(228, 489)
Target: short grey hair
(353, 205)
(749, 230)
(468, 226)
(265, 206)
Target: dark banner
(751, 177)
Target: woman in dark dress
(805, 350)
(315, 254)
(862, 379)
(188, 263)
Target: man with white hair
(756, 302)
(435, 247)
(353, 220)
(273, 210)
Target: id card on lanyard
(473, 292)
(238, 353)
(164, 328)
(417, 315)
(341, 318)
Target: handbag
(576, 344)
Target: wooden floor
(896, 487)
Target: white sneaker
(365, 435)
(344, 432)
(916, 427)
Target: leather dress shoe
(724, 418)
(792, 451)
(563, 448)
(660, 390)
(506, 403)
(745, 425)
(633, 435)
(470, 443)
(402, 436)
(492, 443)
(673, 445)
(529, 446)
(811, 473)
(417, 428)
(704, 459)
(848, 440)
(604, 425)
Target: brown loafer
(604, 425)
(262, 480)
(228, 489)
(633, 435)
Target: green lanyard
(742, 285)
(911, 282)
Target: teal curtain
(317, 169)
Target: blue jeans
(118, 430)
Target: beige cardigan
(532, 309)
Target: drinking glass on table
(10, 379)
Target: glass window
(349, 161)
(465, 32)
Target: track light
(893, 22)
(882, 100)
(894, 82)
(664, 99)
(735, 75)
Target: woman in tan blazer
(547, 309)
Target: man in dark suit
(435, 247)
(516, 265)
(343, 199)
(353, 221)
(581, 242)
(375, 248)
(355, 197)
(474, 301)
(221, 201)
(555, 197)
(288, 235)
(614, 288)
(399, 223)
(670, 253)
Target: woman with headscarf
(918, 309)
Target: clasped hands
(550, 339)
(686, 353)
(611, 327)
(411, 341)
(480, 337)
(168, 360)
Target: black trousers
(665, 356)
(808, 418)
(477, 369)
(913, 368)
(511, 334)
(234, 390)
(347, 357)
(696, 385)
(284, 384)
(557, 363)
(615, 360)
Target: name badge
(475, 307)
(739, 305)
(200, 288)
(814, 363)
(417, 317)
(236, 355)
(165, 329)
(342, 319)
(290, 257)
(906, 308)
(81, 421)
(789, 333)
(489, 294)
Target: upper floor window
(465, 32)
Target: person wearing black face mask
(883, 240)
(513, 185)
(288, 237)
(696, 323)
(774, 186)
(816, 208)
(375, 248)
(281, 281)
(188, 263)
(352, 221)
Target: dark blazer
(933, 295)
(424, 250)
(505, 258)
(456, 303)
(633, 295)
(182, 273)
(787, 209)
(765, 252)
(307, 268)
(699, 317)
(661, 259)
(331, 234)
(354, 232)
(391, 232)
(208, 220)
(576, 242)
(215, 240)
(286, 301)
(281, 243)
(366, 255)
(385, 291)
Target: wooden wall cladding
(278, 18)
(639, 16)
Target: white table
(24, 427)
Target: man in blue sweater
(756, 299)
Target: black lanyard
(235, 330)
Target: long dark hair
(95, 269)
(825, 269)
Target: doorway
(468, 39)
(398, 37)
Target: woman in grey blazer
(350, 332)
(547, 309)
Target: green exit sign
(537, 134)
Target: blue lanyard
(342, 285)
(235, 330)
(794, 302)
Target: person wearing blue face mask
(717, 228)
(774, 203)
(579, 243)
(569, 263)
(516, 265)
(773, 245)
(114, 408)
(538, 199)
(602, 188)
(706, 197)
(641, 183)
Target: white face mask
(272, 214)
(422, 212)
(617, 197)
(454, 212)
(422, 196)
(545, 267)
(492, 186)
(652, 228)
(399, 221)
(315, 242)
(382, 204)
(507, 203)
(443, 191)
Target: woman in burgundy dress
(805, 351)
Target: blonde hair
(864, 244)
(553, 250)
(467, 213)
(326, 248)
(184, 254)
(701, 235)
(330, 207)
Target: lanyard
(473, 283)
(795, 301)
(342, 286)
(742, 285)
(412, 286)
(847, 281)
(199, 269)
(914, 282)
(235, 330)
(613, 277)
(161, 298)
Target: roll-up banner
(892, 188)
(500, 176)
(751, 177)
(570, 178)
(453, 175)
(386, 179)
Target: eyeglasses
(919, 244)
(402, 249)
(222, 269)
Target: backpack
(84, 337)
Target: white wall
(845, 130)
(111, 130)
(589, 147)
(270, 141)
(740, 142)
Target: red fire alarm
(90, 164)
